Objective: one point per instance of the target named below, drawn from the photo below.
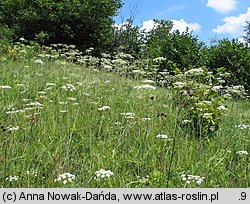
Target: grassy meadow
(104, 130)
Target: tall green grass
(76, 137)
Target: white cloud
(181, 25)
(148, 25)
(222, 6)
(242, 40)
(233, 25)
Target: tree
(235, 57)
(85, 23)
(183, 50)
(247, 30)
(127, 38)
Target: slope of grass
(61, 129)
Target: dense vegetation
(88, 24)
(74, 120)
(117, 106)
(85, 23)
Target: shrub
(235, 57)
(197, 94)
(183, 50)
(85, 23)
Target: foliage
(6, 34)
(20, 50)
(127, 38)
(247, 30)
(235, 57)
(199, 92)
(183, 50)
(85, 23)
(66, 125)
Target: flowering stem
(175, 135)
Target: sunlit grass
(64, 127)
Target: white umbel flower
(222, 108)
(145, 86)
(69, 87)
(5, 87)
(243, 152)
(65, 178)
(104, 108)
(102, 173)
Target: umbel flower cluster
(192, 179)
(102, 173)
(65, 178)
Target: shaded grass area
(66, 132)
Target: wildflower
(243, 152)
(128, 115)
(119, 62)
(31, 108)
(15, 111)
(5, 87)
(221, 81)
(42, 92)
(143, 180)
(107, 67)
(22, 39)
(221, 108)
(207, 115)
(180, 84)
(159, 59)
(194, 72)
(20, 85)
(137, 71)
(32, 172)
(145, 86)
(34, 104)
(63, 103)
(65, 178)
(86, 94)
(212, 128)
(242, 126)
(104, 108)
(12, 178)
(189, 179)
(90, 50)
(64, 111)
(103, 173)
(146, 119)
(10, 128)
(163, 136)
(186, 121)
(216, 88)
(209, 103)
(147, 81)
(227, 96)
(69, 87)
(39, 61)
(50, 84)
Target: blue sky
(207, 18)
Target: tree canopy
(247, 30)
(85, 23)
